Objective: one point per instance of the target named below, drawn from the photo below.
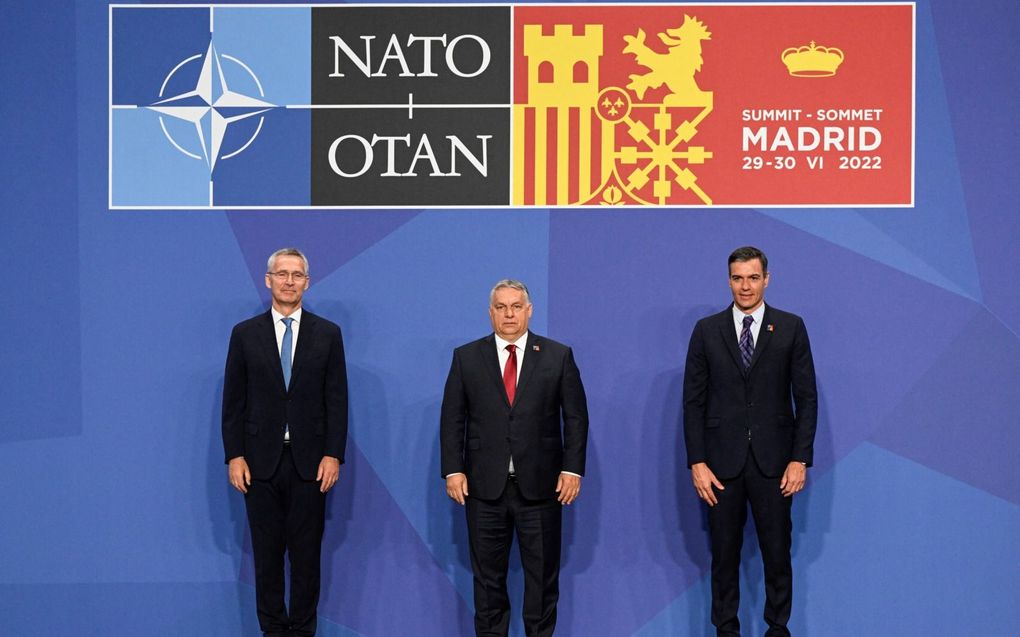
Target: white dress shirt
(504, 355)
(281, 327)
(738, 322)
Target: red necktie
(510, 373)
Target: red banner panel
(726, 105)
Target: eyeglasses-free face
(748, 283)
(509, 312)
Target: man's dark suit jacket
(257, 406)
(775, 402)
(479, 429)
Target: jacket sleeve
(575, 416)
(336, 398)
(235, 394)
(695, 396)
(453, 421)
(805, 397)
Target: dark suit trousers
(491, 525)
(726, 526)
(286, 515)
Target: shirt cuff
(571, 473)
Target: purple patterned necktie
(746, 342)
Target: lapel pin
(770, 327)
(536, 348)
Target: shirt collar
(277, 316)
(501, 342)
(738, 316)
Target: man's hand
(456, 487)
(329, 473)
(569, 487)
(704, 480)
(237, 472)
(793, 478)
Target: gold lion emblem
(675, 68)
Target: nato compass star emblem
(211, 106)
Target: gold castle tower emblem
(605, 145)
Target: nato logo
(297, 106)
(209, 107)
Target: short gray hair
(510, 283)
(286, 252)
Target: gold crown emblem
(812, 61)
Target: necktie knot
(511, 348)
(747, 321)
(287, 320)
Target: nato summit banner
(218, 106)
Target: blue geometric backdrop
(117, 518)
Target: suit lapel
(267, 338)
(764, 337)
(531, 361)
(305, 345)
(490, 361)
(729, 336)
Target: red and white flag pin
(770, 327)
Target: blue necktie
(746, 342)
(286, 349)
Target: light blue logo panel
(214, 93)
(273, 42)
(147, 170)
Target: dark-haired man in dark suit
(513, 435)
(284, 432)
(750, 410)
